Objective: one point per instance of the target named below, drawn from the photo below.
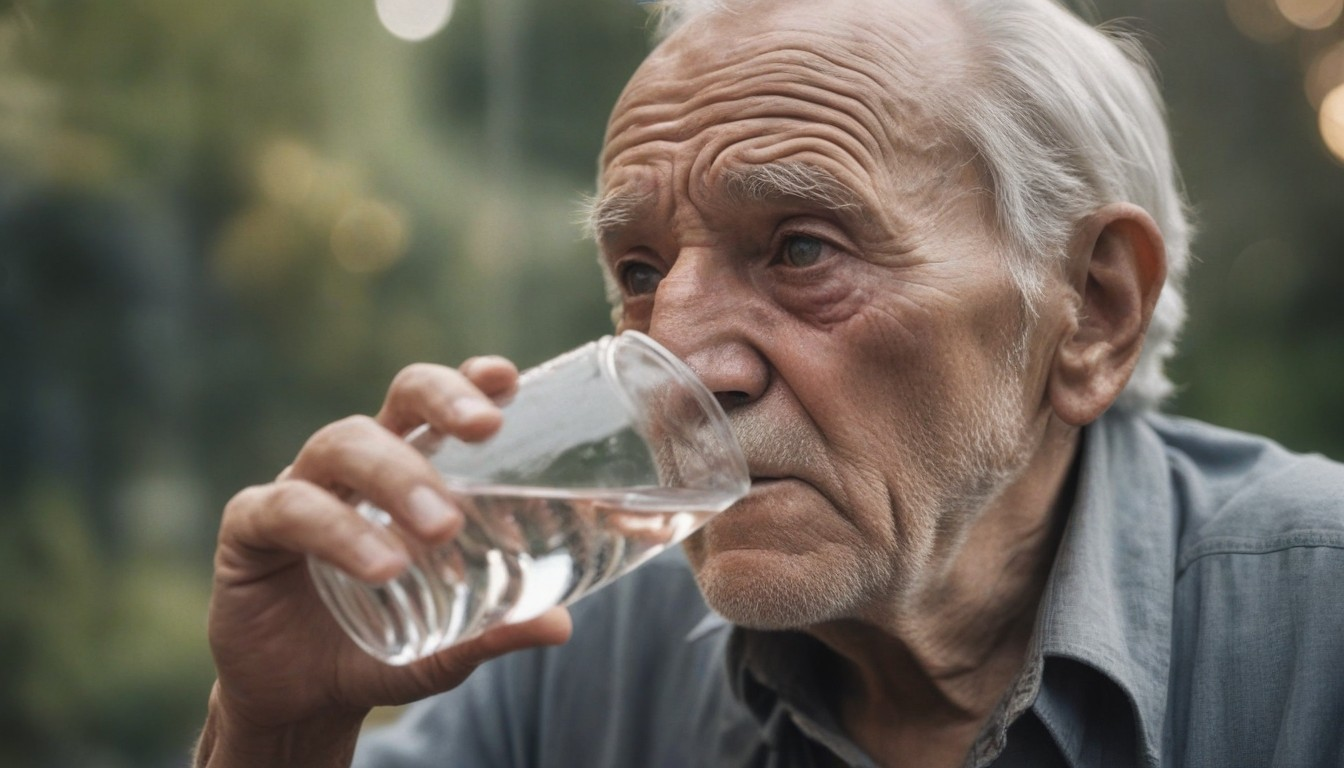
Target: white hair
(1064, 118)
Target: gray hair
(1066, 118)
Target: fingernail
(468, 409)
(428, 510)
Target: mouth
(761, 484)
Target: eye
(638, 278)
(802, 251)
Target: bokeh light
(286, 170)
(369, 237)
(1332, 121)
(414, 20)
(258, 250)
(1259, 20)
(1311, 14)
(1324, 73)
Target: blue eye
(802, 251)
(638, 278)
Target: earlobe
(1117, 268)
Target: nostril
(730, 400)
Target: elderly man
(928, 254)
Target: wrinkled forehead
(897, 60)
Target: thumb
(447, 669)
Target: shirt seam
(1245, 545)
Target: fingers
(460, 402)
(358, 454)
(294, 516)
(493, 375)
(309, 509)
(550, 628)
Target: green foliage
(223, 226)
(105, 661)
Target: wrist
(230, 741)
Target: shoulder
(1243, 494)
(1255, 619)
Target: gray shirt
(1194, 616)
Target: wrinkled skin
(867, 348)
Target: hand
(283, 663)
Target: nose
(702, 312)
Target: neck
(922, 681)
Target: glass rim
(709, 405)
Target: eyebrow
(792, 181)
(604, 215)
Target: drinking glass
(607, 455)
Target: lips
(774, 517)
(769, 471)
(761, 485)
(766, 471)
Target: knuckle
(325, 447)
(427, 391)
(417, 376)
(293, 506)
(358, 425)
(334, 434)
(244, 501)
(289, 495)
(395, 467)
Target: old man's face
(782, 208)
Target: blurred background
(225, 224)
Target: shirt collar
(1108, 601)
(710, 624)
(785, 679)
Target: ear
(1118, 265)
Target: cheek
(880, 389)
(918, 353)
(855, 380)
(859, 410)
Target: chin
(771, 590)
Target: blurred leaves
(99, 657)
(1261, 351)
(222, 226)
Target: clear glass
(607, 455)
